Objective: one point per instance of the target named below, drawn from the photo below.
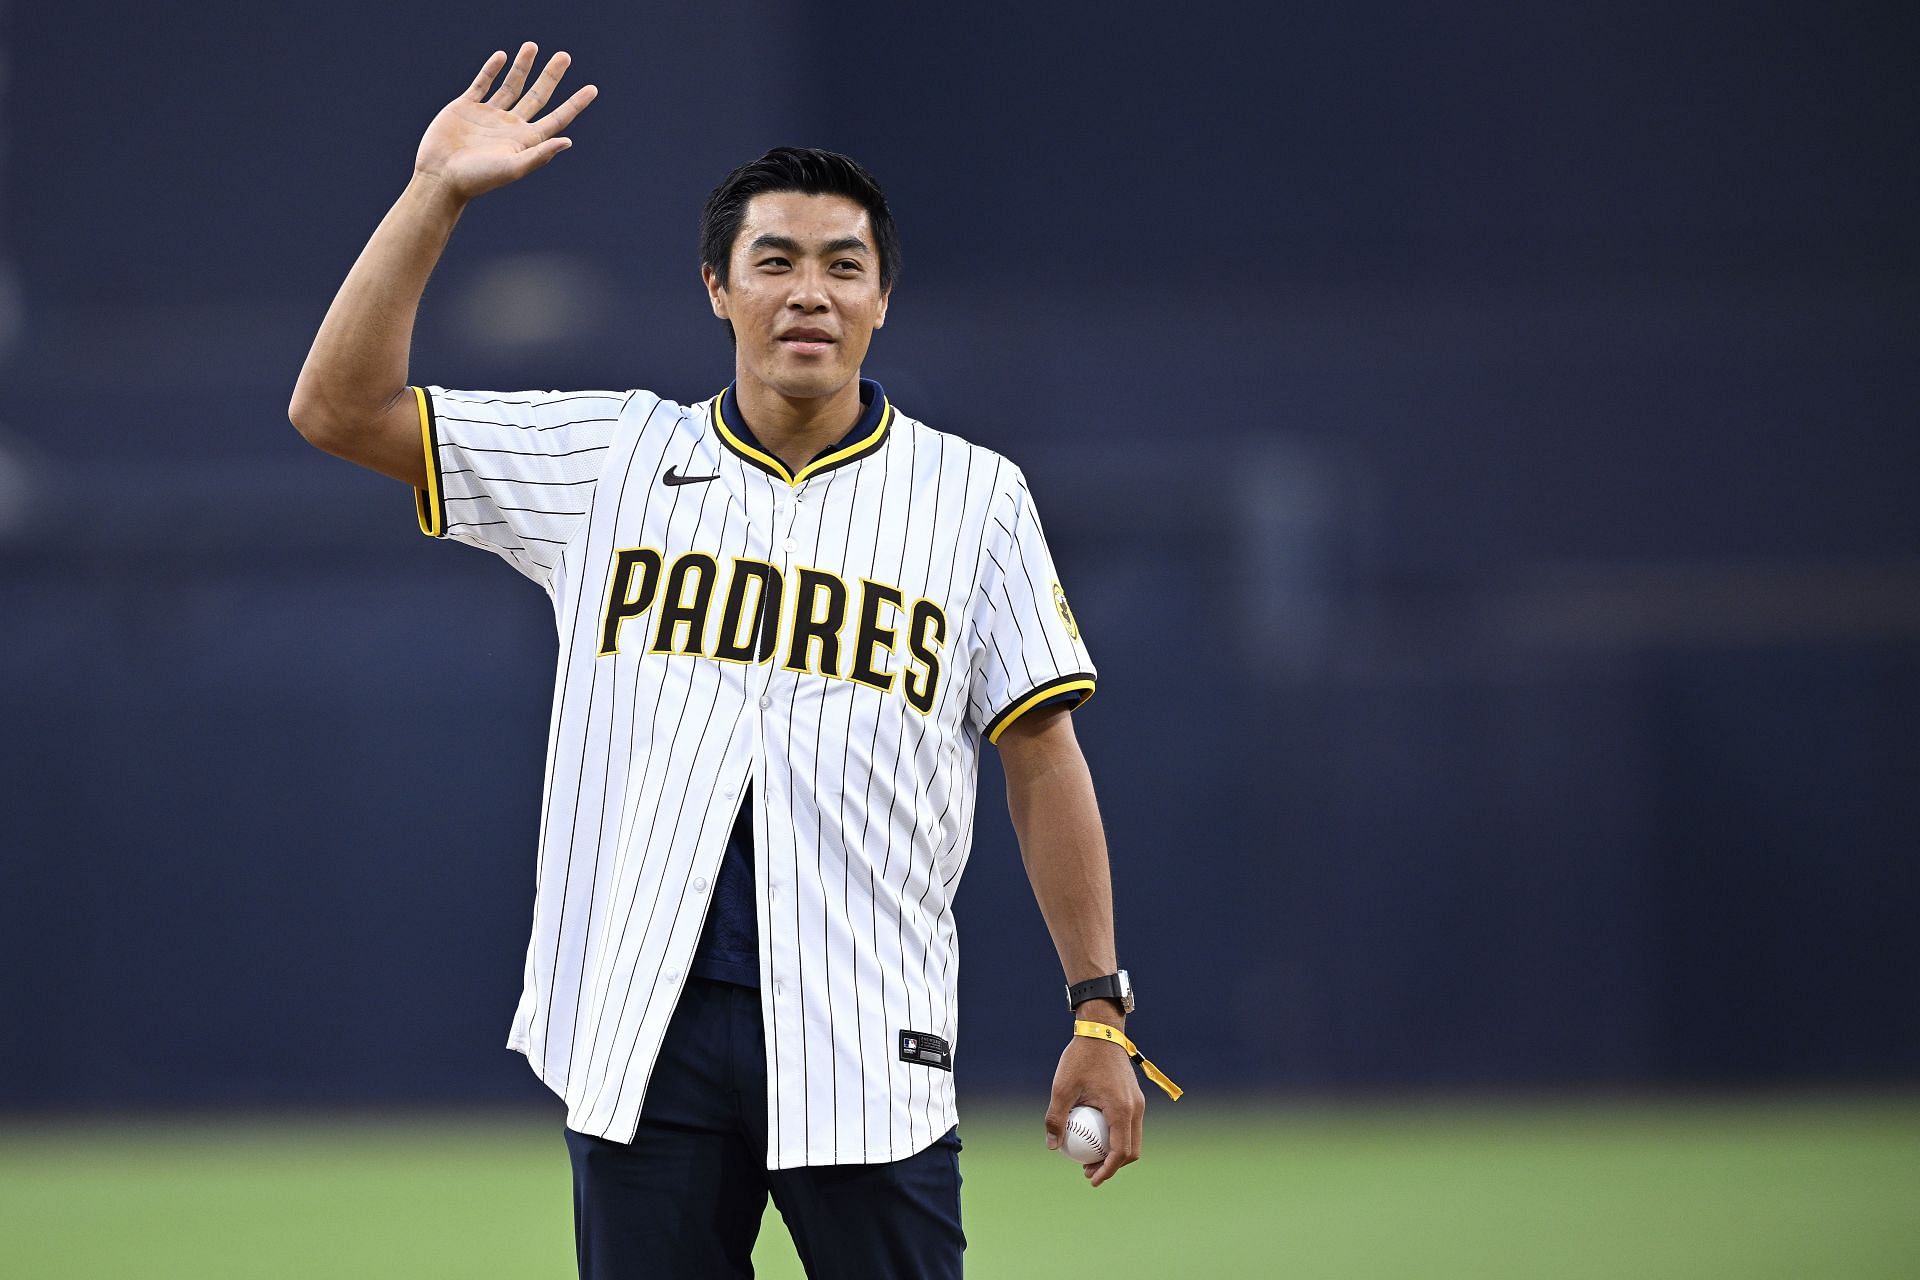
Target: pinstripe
(966, 488)
(854, 696)
(546, 1033)
(1014, 614)
(906, 874)
(464, 397)
(600, 821)
(820, 818)
(626, 840)
(1033, 596)
(467, 471)
(793, 827)
(554, 426)
(926, 953)
(579, 781)
(571, 608)
(687, 877)
(913, 477)
(623, 834)
(538, 453)
(763, 842)
(498, 506)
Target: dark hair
(809, 171)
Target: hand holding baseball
(478, 143)
(1097, 1076)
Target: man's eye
(846, 264)
(774, 262)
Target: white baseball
(1086, 1140)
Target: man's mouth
(807, 342)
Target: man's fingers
(509, 91)
(542, 89)
(1099, 1173)
(477, 91)
(560, 117)
(1122, 1149)
(539, 155)
(1123, 1141)
(1056, 1121)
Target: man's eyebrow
(787, 244)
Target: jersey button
(766, 700)
(699, 886)
(788, 544)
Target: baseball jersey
(838, 641)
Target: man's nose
(809, 292)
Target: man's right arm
(351, 398)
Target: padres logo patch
(1066, 614)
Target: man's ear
(880, 318)
(716, 291)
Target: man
(788, 617)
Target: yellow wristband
(1113, 1035)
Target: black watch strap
(1113, 986)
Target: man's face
(803, 292)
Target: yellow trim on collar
(819, 464)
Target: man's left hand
(1098, 1074)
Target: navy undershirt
(729, 949)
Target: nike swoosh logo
(674, 477)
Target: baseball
(1086, 1140)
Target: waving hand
(479, 142)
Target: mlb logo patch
(925, 1050)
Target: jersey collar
(868, 434)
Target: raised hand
(478, 142)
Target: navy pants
(684, 1198)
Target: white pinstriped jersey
(841, 640)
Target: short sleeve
(1028, 651)
(514, 472)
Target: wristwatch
(1114, 986)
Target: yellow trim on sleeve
(1066, 684)
(427, 506)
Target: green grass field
(1720, 1190)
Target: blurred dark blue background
(1480, 445)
